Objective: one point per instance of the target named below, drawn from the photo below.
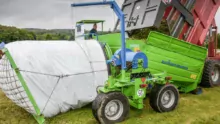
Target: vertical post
(123, 47)
(216, 40)
(211, 47)
(123, 43)
(120, 15)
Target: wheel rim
(114, 110)
(168, 99)
(215, 75)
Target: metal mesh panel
(12, 87)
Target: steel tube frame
(120, 15)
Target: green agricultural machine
(159, 66)
(46, 78)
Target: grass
(192, 109)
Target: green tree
(72, 37)
(10, 34)
(48, 37)
(62, 37)
(34, 36)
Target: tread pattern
(206, 77)
(155, 97)
(96, 103)
(102, 101)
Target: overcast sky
(50, 14)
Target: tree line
(11, 34)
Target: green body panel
(121, 81)
(131, 88)
(40, 119)
(181, 60)
(113, 40)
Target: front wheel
(164, 98)
(111, 108)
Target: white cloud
(54, 13)
(49, 13)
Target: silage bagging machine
(132, 81)
(162, 65)
(47, 78)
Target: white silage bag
(61, 75)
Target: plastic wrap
(61, 75)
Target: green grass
(192, 109)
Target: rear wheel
(211, 74)
(111, 108)
(164, 98)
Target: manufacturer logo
(174, 64)
(140, 92)
(166, 1)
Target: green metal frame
(118, 83)
(130, 88)
(186, 60)
(90, 21)
(39, 118)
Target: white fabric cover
(42, 62)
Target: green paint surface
(181, 60)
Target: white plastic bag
(61, 75)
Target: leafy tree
(62, 37)
(34, 36)
(10, 34)
(71, 37)
(48, 37)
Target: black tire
(101, 104)
(96, 104)
(156, 96)
(209, 68)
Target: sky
(55, 14)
